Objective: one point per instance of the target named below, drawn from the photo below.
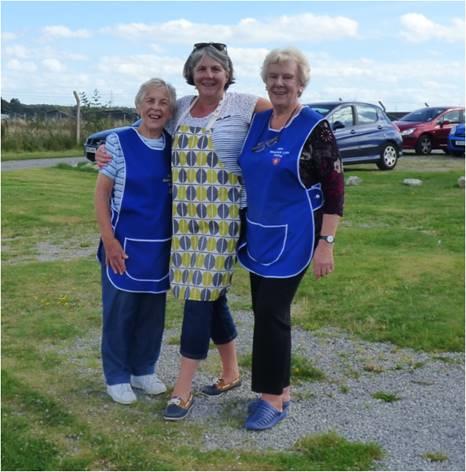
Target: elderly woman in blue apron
(133, 208)
(294, 182)
(208, 133)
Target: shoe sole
(149, 393)
(121, 402)
(179, 418)
(268, 427)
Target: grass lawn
(399, 277)
(19, 156)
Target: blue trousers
(203, 321)
(132, 331)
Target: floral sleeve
(320, 162)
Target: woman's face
(282, 83)
(155, 111)
(210, 77)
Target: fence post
(78, 117)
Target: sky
(403, 53)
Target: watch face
(330, 239)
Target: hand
(101, 157)
(323, 260)
(115, 256)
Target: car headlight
(453, 130)
(408, 131)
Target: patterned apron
(206, 202)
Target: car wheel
(388, 157)
(424, 145)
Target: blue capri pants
(203, 321)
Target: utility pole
(78, 117)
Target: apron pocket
(316, 196)
(265, 243)
(147, 258)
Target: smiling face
(210, 78)
(283, 84)
(155, 110)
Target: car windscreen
(323, 108)
(423, 115)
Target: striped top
(229, 130)
(116, 169)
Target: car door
(342, 122)
(369, 129)
(444, 125)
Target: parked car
(456, 140)
(428, 128)
(94, 140)
(364, 133)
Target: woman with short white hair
(294, 182)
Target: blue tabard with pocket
(143, 224)
(279, 236)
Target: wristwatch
(329, 239)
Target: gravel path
(427, 418)
(32, 163)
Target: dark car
(428, 128)
(94, 140)
(364, 133)
(456, 140)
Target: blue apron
(279, 236)
(143, 224)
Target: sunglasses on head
(218, 46)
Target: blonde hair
(276, 56)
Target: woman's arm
(323, 263)
(114, 254)
(321, 163)
(262, 105)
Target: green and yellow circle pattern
(206, 199)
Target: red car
(428, 128)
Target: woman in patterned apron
(294, 182)
(133, 208)
(207, 195)
(208, 133)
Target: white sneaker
(121, 393)
(151, 384)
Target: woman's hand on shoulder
(262, 104)
(102, 158)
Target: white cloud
(297, 28)
(18, 51)
(141, 66)
(419, 28)
(247, 61)
(53, 65)
(6, 36)
(60, 31)
(21, 66)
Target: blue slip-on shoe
(264, 416)
(254, 403)
(177, 409)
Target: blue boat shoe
(220, 386)
(177, 409)
(264, 416)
